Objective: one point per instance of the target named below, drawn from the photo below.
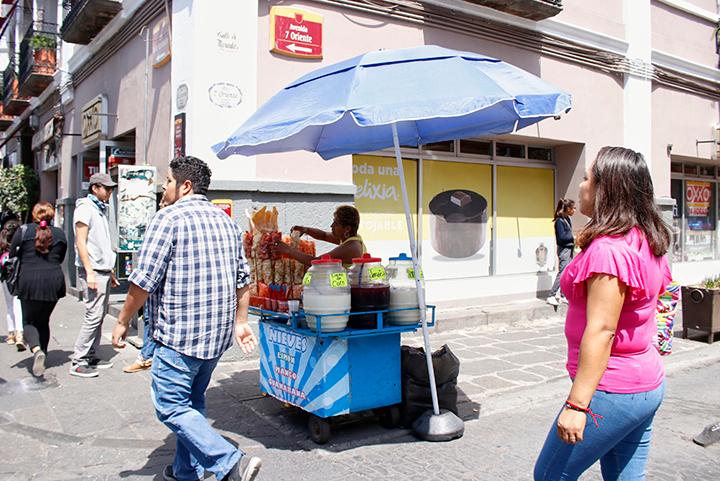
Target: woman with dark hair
(565, 245)
(13, 312)
(612, 288)
(343, 232)
(41, 283)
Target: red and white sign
(698, 196)
(296, 33)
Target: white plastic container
(403, 291)
(326, 291)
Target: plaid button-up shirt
(191, 262)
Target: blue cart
(332, 374)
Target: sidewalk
(512, 378)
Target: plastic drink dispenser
(326, 291)
(403, 291)
(369, 289)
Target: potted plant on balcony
(44, 53)
(701, 307)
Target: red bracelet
(586, 410)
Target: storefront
(696, 246)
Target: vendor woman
(343, 232)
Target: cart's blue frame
(331, 373)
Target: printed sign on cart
(296, 33)
(304, 371)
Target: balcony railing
(38, 58)
(87, 18)
(13, 102)
(532, 9)
(5, 119)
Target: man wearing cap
(95, 261)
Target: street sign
(296, 33)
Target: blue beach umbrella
(386, 98)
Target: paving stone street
(512, 381)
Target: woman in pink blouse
(612, 287)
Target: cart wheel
(390, 417)
(319, 429)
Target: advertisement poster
(304, 372)
(525, 231)
(136, 204)
(700, 218)
(378, 197)
(697, 196)
(457, 219)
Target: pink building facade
(643, 74)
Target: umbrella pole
(432, 425)
(416, 266)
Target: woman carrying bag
(41, 283)
(618, 378)
(13, 312)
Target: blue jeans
(621, 443)
(178, 392)
(149, 344)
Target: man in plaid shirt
(192, 263)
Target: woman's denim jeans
(178, 391)
(621, 443)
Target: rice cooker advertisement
(304, 371)
(457, 218)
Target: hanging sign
(161, 43)
(295, 33)
(94, 120)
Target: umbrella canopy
(430, 93)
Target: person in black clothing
(41, 281)
(565, 245)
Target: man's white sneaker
(552, 300)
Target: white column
(637, 118)
(214, 60)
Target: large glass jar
(326, 291)
(403, 291)
(369, 290)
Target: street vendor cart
(330, 374)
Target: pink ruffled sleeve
(613, 257)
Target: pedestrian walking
(41, 248)
(95, 263)
(192, 264)
(13, 311)
(612, 288)
(565, 246)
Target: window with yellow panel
(525, 234)
(457, 218)
(378, 198)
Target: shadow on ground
(237, 406)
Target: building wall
(122, 80)
(683, 34)
(602, 17)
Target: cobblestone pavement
(512, 381)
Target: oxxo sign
(94, 120)
(698, 195)
(295, 33)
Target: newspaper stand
(330, 374)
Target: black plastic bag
(414, 366)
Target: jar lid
(401, 257)
(366, 258)
(325, 259)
